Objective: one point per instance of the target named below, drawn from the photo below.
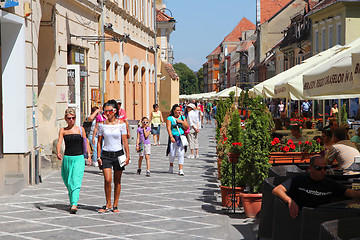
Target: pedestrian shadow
(64, 207)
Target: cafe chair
(284, 226)
(340, 229)
(312, 218)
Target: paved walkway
(163, 206)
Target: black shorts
(110, 160)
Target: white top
(193, 119)
(112, 136)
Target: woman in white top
(114, 133)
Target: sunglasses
(71, 118)
(145, 122)
(318, 168)
(110, 111)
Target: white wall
(13, 83)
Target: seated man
(342, 150)
(311, 190)
(333, 124)
(296, 134)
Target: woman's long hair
(113, 104)
(173, 109)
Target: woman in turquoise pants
(73, 164)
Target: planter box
(290, 157)
(226, 193)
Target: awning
(291, 79)
(339, 77)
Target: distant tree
(200, 77)
(188, 79)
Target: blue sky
(203, 24)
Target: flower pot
(226, 193)
(290, 157)
(233, 157)
(251, 204)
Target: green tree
(200, 77)
(188, 79)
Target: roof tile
(162, 17)
(170, 69)
(270, 7)
(321, 5)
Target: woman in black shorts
(113, 132)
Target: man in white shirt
(193, 120)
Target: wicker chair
(340, 229)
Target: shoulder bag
(183, 138)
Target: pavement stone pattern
(162, 206)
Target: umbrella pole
(323, 108)
(313, 108)
(339, 114)
(299, 108)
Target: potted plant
(233, 148)
(254, 162)
(233, 141)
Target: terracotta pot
(226, 193)
(219, 167)
(252, 204)
(233, 157)
(290, 157)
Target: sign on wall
(8, 3)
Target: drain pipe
(36, 155)
(155, 58)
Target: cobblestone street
(163, 206)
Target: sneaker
(191, 156)
(147, 173)
(181, 172)
(159, 143)
(197, 156)
(138, 171)
(95, 163)
(171, 169)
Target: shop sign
(79, 57)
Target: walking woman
(73, 164)
(156, 119)
(176, 124)
(114, 133)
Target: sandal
(73, 209)
(104, 209)
(116, 210)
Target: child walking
(143, 145)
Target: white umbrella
(226, 92)
(340, 76)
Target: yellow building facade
(334, 23)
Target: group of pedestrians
(108, 134)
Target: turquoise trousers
(72, 172)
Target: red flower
(286, 148)
(290, 142)
(292, 146)
(276, 140)
(273, 143)
(237, 144)
(318, 140)
(299, 142)
(308, 143)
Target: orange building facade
(130, 61)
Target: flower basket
(233, 157)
